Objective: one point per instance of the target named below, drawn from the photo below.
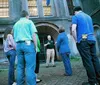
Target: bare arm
(74, 32)
(34, 40)
(46, 44)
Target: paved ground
(54, 75)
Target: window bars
(4, 8)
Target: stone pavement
(54, 75)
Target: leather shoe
(66, 74)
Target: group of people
(27, 48)
(22, 41)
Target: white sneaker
(14, 83)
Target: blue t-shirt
(62, 43)
(84, 26)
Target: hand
(36, 49)
(55, 43)
(48, 43)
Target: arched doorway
(44, 29)
(97, 34)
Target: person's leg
(37, 67)
(67, 64)
(30, 59)
(11, 57)
(20, 65)
(84, 50)
(48, 57)
(95, 61)
(53, 57)
(37, 63)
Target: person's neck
(78, 12)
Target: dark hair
(7, 31)
(77, 8)
(61, 29)
(24, 13)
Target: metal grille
(4, 8)
(46, 9)
(32, 5)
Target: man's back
(23, 30)
(84, 25)
(25, 37)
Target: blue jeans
(26, 59)
(67, 64)
(11, 57)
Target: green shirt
(51, 45)
(38, 43)
(23, 30)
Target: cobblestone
(55, 75)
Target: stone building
(46, 18)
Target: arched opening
(97, 34)
(45, 29)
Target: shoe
(54, 66)
(87, 83)
(47, 66)
(66, 74)
(38, 80)
(14, 83)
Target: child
(9, 49)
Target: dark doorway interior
(1, 43)
(45, 29)
(43, 38)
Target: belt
(24, 41)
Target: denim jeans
(87, 50)
(67, 64)
(11, 57)
(26, 56)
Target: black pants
(87, 50)
(37, 62)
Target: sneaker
(14, 83)
(38, 80)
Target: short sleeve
(32, 27)
(74, 20)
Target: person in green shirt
(50, 51)
(37, 59)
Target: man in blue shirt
(24, 35)
(83, 33)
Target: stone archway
(48, 28)
(44, 29)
